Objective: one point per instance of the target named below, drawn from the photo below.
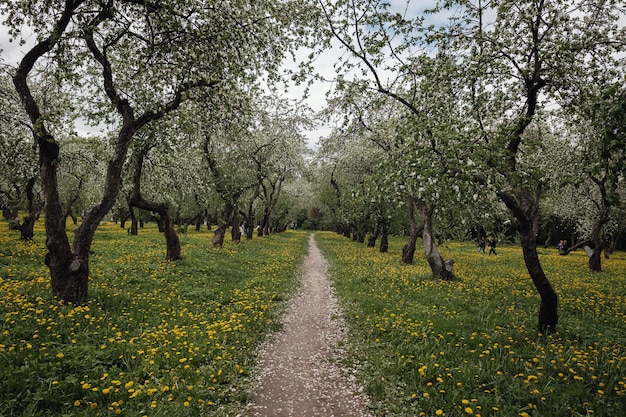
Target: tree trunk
(548, 316)
(134, 226)
(235, 232)
(171, 238)
(360, 236)
(218, 236)
(441, 269)
(27, 228)
(371, 242)
(69, 268)
(384, 239)
(595, 260)
(166, 225)
(525, 210)
(408, 250)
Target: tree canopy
(466, 120)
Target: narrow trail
(299, 375)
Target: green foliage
(469, 347)
(155, 337)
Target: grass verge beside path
(470, 347)
(156, 338)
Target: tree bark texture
(408, 250)
(69, 266)
(525, 209)
(441, 269)
(548, 316)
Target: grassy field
(179, 339)
(471, 347)
(156, 338)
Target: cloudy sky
(12, 52)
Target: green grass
(155, 338)
(180, 338)
(471, 347)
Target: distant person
(481, 244)
(562, 247)
(492, 246)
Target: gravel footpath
(299, 372)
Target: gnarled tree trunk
(172, 243)
(69, 266)
(441, 269)
(525, 209)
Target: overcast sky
(12, 52)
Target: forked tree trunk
(441, 269)
(69, 266)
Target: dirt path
(299, 375)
